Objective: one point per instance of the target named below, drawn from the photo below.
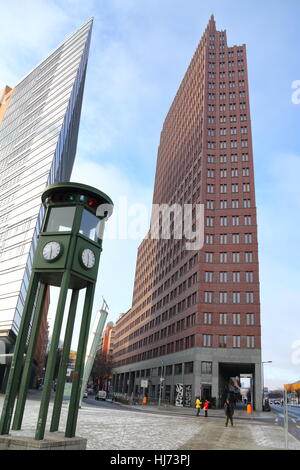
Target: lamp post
(161, 382)
(263, 378)
(262, 373)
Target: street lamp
(161, 382)
(263, 378)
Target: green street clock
(67, 256)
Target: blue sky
(140, 50)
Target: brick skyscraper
(195, 318)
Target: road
(294, 418)
(102, 403)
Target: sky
(139, 53)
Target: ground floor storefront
(179, 378)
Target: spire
(212, 23)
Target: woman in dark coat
(229, 410)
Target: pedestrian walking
(205, 407)
(229, 410)
(198, 405)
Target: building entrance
(230, 386)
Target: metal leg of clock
(41, 424)
(17, 422)
(64, 363)
(80, 360)
(17, 361)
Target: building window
(207, 318)
(223, 257)
(235, 257)
(208, 257)
(209, 276)
(249, 297)
(223, 239)
(236, 341)
(223, 221)
(209, 239)
(206, 367)
(223, 297)
(222, 341)
(223, 318)
(249, 276)
(188, 367)
(208, 297)
(207, 341)
(250, 341)
(236, 277)
(250, 318)
(235, 238)
(236, 318)
(236, 297)
(178, 369)
(235, 203)
(223, 276)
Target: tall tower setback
(195, 317)
(39, 121)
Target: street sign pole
(286, 419)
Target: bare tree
(102, 368)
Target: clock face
(88, 258)
(51, 251)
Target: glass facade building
(39, 121)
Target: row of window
(175, 346)
(224, 220)
(223, 96)
(223, 131)
(223, 144)
(224, 341)
(224, 297)
(224, 173)
(210, 188)
(226, 276)
(223, 107)
(225, 319)
(223, 158)
(223, 238)
(234, 257)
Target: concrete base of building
(24, 440)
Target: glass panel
(89, 225)
(60, 219)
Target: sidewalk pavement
(122, 428)
(243, 435)
(212, 412)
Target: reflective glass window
(89, 224)
(60, 219)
